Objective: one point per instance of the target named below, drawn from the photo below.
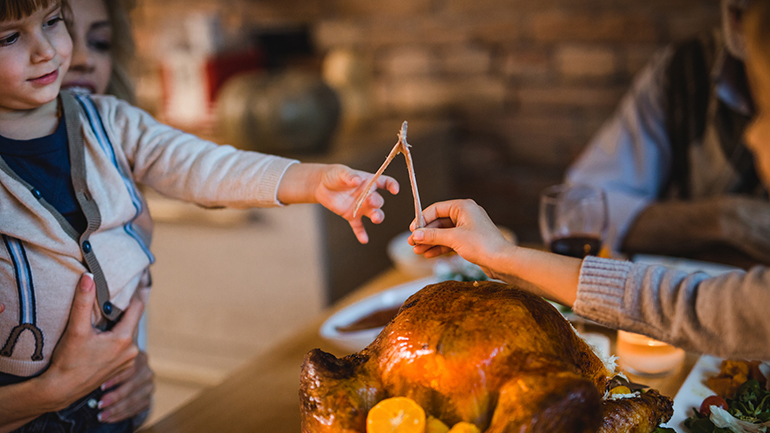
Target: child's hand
(339, 188)
(461, 226)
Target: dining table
(263, 395)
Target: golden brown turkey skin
(636, 415)
(482, 352)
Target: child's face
(34, 56)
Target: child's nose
(43, 49)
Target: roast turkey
(482, 352)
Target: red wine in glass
(573, 219)
(577, 245)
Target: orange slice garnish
(434, 425)
(396, 415)
(464, 427)
(622, 390)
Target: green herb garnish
(751, 404)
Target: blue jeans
(80, 417)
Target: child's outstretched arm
(464, 227)
(336, 187)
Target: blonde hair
(18, 9)
(757, 27)
(122, 51)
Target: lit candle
(639, 354)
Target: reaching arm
(723, 316)
(186, 167)
(464, 227)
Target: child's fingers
(344, 176)
(376, 215)
(375, 200)
(388, 183)
(82, 305)
(359, 230)
(351, 178)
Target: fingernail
(99, 416)
(418, 235)
(87, 281)
(100, 404)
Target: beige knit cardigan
(112, 147)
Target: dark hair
(18, 9)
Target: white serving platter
(693, 391)
(389, 298)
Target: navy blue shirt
(44, 163)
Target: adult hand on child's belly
(85, 357)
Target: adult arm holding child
(83, 359)
(723, 316)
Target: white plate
(355, 341)
(693, 391)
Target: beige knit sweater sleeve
(186, 167)
(726, 316)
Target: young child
(725, 316)
(69, 204)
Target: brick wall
(528, 81)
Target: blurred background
(500, 95)
(524, 83)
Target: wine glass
(573, 219)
